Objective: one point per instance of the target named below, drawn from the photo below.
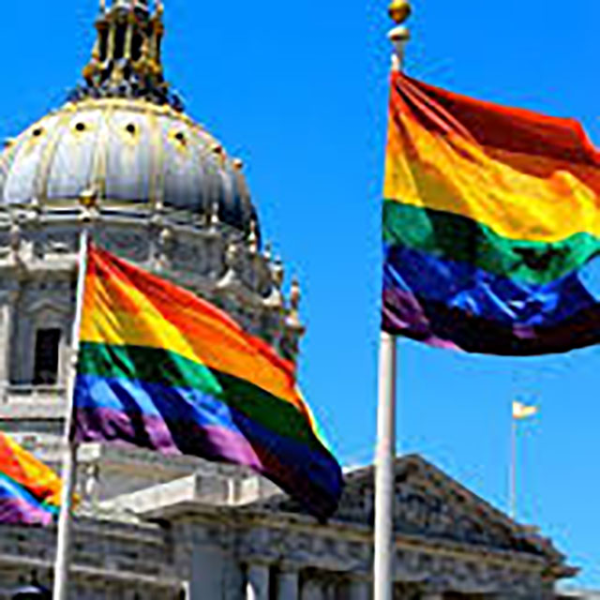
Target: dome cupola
(123, 133)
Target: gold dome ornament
(399, 11)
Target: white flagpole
(63, 548)
(385, 476)
(513, 468)
(383, 573)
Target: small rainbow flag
(29, 490)
(160, 368)
(491, 226)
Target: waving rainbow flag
(161, 369)
(29, 490)
(491, 226)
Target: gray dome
(135, 153)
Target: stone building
(168, 197)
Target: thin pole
(385, 475)
(513, 468)
(65, 522)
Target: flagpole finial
(399, 11)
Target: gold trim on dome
(134, 105)
(156, 176)
(48, 153)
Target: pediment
(430, 504)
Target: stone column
(257, 582)
(359, 590)
(432, 596)
(288, 587)
(207, 568)
(9, 310)
(312, 590)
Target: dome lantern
(126, 60)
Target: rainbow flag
(491, 226)
(29, 490)
(161, 369)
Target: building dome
(123, 134)
(135, 153)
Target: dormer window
(47, 355)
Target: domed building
(158, 189)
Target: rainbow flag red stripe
(29, 490)
(162, 369)
(491, 225)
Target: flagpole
(513, 468)
(385, 476)
(384, 559)
(65, 522)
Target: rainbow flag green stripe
(456, 238)
(161, 369)
(166, 368)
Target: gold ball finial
(399, 11)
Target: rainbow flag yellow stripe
(491, 225)
(163, 369)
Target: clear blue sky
(299, 91)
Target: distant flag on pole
(523, 411)
(29, 490)
(162, 369)
(491, 224)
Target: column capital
(258, 561)
(288, 567)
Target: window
(47, 348)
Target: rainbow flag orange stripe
(29, 490)
(163, 369)
(491, 225)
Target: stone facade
(157, 189)
(224, 534)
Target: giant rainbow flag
(162, 369)
(491, 225)
(29, 490)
